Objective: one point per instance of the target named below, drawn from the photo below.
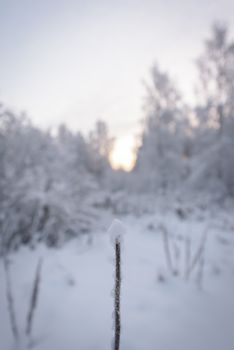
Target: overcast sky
(75, 61)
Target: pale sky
(73, 61)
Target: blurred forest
(56, 185)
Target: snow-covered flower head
(116, 230)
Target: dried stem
(198, 255)
(167, 249)
(187, 257)
(10, 300)
(34, 299)
(117, 293)
(176, 249)
(200, 271)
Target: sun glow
(123, 155)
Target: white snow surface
(158, 310)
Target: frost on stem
(116, 231)
(117, 292)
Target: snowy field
(159, 309)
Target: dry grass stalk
(187, 256)
(10, 300)
(167, 249)
(117, 293)
(198, 255)
(34, 299)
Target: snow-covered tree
(215, 112)
(161, 160)
(100, 147)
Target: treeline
(191, 147)
(49, 180)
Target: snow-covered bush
(45, 183)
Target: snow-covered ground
(158, 310)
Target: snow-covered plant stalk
(167, 250)
(177, 254)
(10, 300)
(116, 231)
(117, 292)
(187, 257)
(200, 271)
(32, 305)
(198, 256)
(34, 299)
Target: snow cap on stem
(116, 230)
